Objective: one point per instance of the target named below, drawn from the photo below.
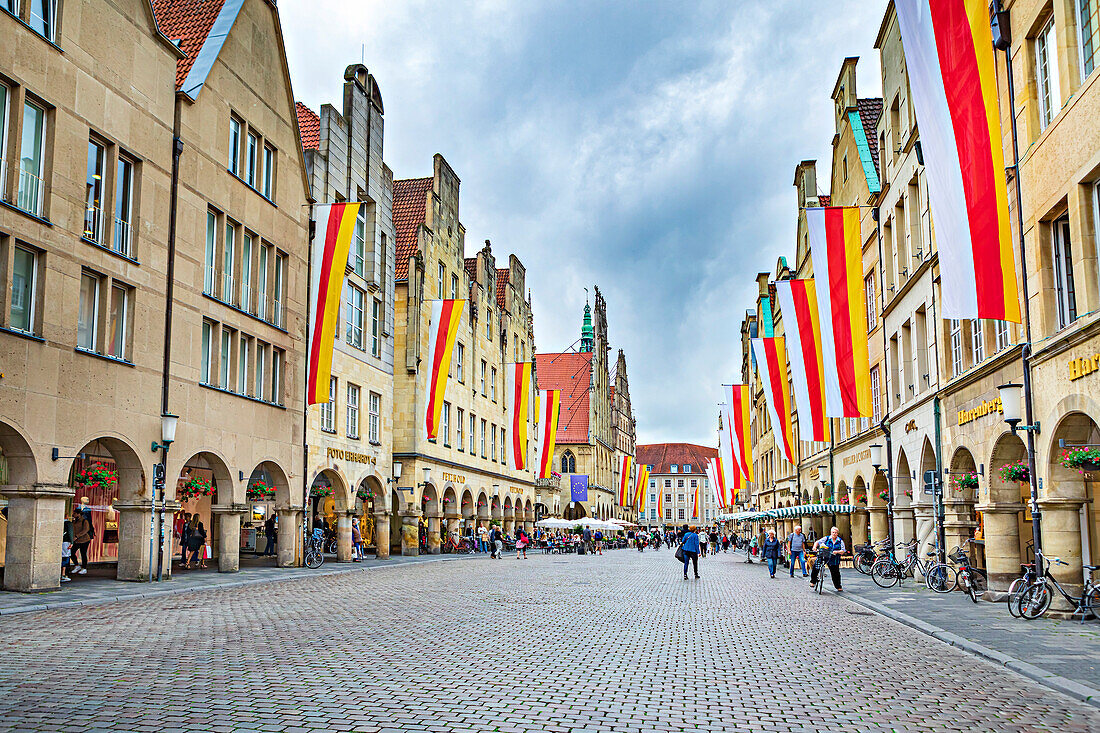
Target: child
(66, 550)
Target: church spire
(588, 337)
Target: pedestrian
(66, 550)
(689, 547)
(269, 533)
(184, 535)
(498, 543)
(586, 537)
(796, 548)
(599, 542)
(196, 543)
(83, 534)
(835, 544)
(713, 542)
(356, 540)
(725, 543)
(492, 542)
(482, 541)
(521, 544)
(770, 550)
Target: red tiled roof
(503, 277)
(309, 127)
(824, 200)
(662, 455)
(572, 374)
(187, 23)
(410, 201)
(471, 267)
(870, 110)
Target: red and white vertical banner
(328, 259)
(549, 401)
(737, 397)
(771, 361)
(948, 48)
(442, 330)
(625, 476)
(727, 461)
(798, 304)
(518, 401)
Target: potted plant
(964, 481)
(1017, 471)
(1082, 459)
(96, 476)
(197, 486)
(862, 499)
(363, 494)
(320, 492)
(259, 491)
(884, 495)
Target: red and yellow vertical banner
(549, 402)
(624, 481)
(660, 504)
(518, 398)
(640, 486)
(771, 361)
(328, 259)
(737, 426)
(798, 304)
(952, 74)
(696, 495)
(720, 477)
(442, 330)
(836, 246)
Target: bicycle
(972, 579)
(887, 571)
(1036, 598)
(1018, 586)
(315, 546)
(867, 555)
(821, 562)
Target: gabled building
(677, 470)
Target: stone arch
(927, 463)
(429, 500)
(430, 527)
(31, 556)
(116, 450)
(1068, 532)
(208, 469)
(494, 508)
(468, 506)
(841, 490)
(18, 464)
(962, 462)
(341, 487)
(903, 482)
(528, 511)
(1009, 448)
(273, 475)
(450, 499)
(482, 508)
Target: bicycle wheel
(820, 584)
(885, 574)
(314, 559)
(1012, 598)
(979, 584)
(1091, 603)
(941, 578)
(1035, 600)
(864, 564)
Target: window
(446, 424)
(503, 444)
(694, 483)
(242, 366)
(668, 514)
(208, 258)
(441, 278)
(679, 483)
(359, 242)
(977, 341)
(261, 281)
(88, 312)
(277, 359)
(31, 156)
(668, 498)
(1088, 14)
(24, 290)
(483, 368)
(226, 358)
(484, 428)
(3, 136)
(353, 315)
(43, 18)
(120, 310)
(493, 383)
(459, 359)
(328, 409)
(124, 206)
(459, 435)
(252, 151)
(473, 431)
(1063, 272)
(269, 171)
(876, 396)
(93, 197)
(234, 146)
(246, 272)
(673, 468)
(489, 324)
(376, 328)
(374, 417)
(869, 289)
(680, 498)
(687, 469)
(207, 350)
(454, 287)
(228, 256)
(955, 332)
(492, 442)
(261, 370)
(668, 483)
(1000, 334)
(1046, 74)
(353, 411)
(680, 513)
(568, 462)
(279, 286)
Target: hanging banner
(798, 304)
(624, 480)
(660, 504)
(771, 362)
(949, 58)
(549, 401)
(730, 474)
(442, 331)
(518, 398)
(328, 259)
(738, 399)
(836, 246)
(578, 488)
(640, 489)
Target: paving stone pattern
(617, 642)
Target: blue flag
(578, 488)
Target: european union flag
(578, 488)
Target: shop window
(328, 409)
(1046, 74)
(1064, 291)
(375, 417)
(353, 411)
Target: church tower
(588, 339)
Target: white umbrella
(552, 523)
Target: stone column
(382, 535)
(1002, 543)
(924, 517)
(903, 524)
(509, 526)
(228, 518)
(844, 524)
(343, 537)
(134, 520)
(410, 531)
(453, 518)
(434, 540)
(859, 526)
(958, 527)
(880, 528)
(1061, 527)
(36, 519)
(289, 540)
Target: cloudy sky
(647, 148)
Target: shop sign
(1083, 366)
(515, 490)
(347, 455)
(988, 407)
(454, 478)
(857, 457)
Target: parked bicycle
(1036, 597)
(315, 549)
(461, 546)
(888, 571)
(1028, 575)
(867, 555)
(971, 579)
(821, 564)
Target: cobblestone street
(553, 643)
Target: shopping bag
(206, 553)
(679, 554)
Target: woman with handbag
(196, 543)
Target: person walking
(725, 543)
(598, 536)
(521, 544)
(770, 551)
(586, 538)
(196, 543)
(83, 534)
(796, 548)
(356, 540)
(835, 545)
(493, 542)
(689, 547)
(713, 541)
(66, 550)
(269, 533)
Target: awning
(803, 510)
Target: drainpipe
(937, 484)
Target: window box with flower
(320, 492)
(961, 482)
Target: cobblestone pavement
(617, 642)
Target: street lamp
(168, 423)
(1012, 398)
(876, 456)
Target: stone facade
(677, 470)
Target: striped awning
(804, 510)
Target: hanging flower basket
(320, 492)
(1017, 471)
(908, 493)
(1083, 459)
(843, 499)
(448, 500)
(363, 494)
(884, 495)
(862, 499)
(964, 481)
(259, 491)
(96, 476)
(196, 487)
